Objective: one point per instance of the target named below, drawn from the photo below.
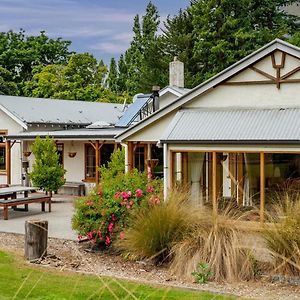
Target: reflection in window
(2, 158)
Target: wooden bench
(25, 200)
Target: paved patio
(59, 220)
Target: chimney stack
(176, 71)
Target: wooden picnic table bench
(40, 198)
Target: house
(73, 124)
(83, 131)
(234, 138)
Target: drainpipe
(166, 159)
(126, 157)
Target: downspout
(166, 159)
(126, 157)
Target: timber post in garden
(36, 236)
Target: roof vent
(98, 124)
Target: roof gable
(214, 81)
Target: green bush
(104, 213)
(47, 174)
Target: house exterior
(78, 128)
(235, 137)
(83, 131)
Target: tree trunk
(36, 235)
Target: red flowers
(89, 203)
(139, 193)
(122, 235)
(107, 240)
(150, 189)
(110, 227)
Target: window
(2, 153)
(90, 159)
(139, 157)
(90, 162)
(60, 151)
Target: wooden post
(36, 236)
(148, 162)
(130, 156)
(8, 162)
(262, 186)
(240, 175)
(185, 175)
(214, 184)
(97, 148)
(210, 193)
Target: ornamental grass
(282, 234)
(156, 228)
(217, 242)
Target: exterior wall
(254, 95)
(153, 133)
(74, 166)
(12, 127)
(166, 99)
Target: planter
(26, 153)
(72, 154)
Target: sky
(101, 27)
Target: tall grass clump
(282, 236)
(155, 228)
(216, 242)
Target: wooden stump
(36, 236)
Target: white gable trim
(277, 44)
(11, 115)
(169, 90)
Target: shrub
(155, 228)
(104, 213)
(282, 237)
(47, 174)
(217, 243)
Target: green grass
(18, 281)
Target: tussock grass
(217, 242)
(155, 229)
(283, 236)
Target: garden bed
(69, 255)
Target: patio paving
(59, 220)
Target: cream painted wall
(74, 166)
(166, 99)
(258, 95)
(153, 133)
(9, 124)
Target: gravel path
(69, 255)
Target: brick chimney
(176, 71)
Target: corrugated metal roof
(75, 134)
(37, 110)
(234, 126)
(133, 109)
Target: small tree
(47, 173)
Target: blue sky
(101, 27)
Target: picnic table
(9, 198)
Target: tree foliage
(20, 53)
(47, 174)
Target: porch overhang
(270, 126)
(80, 135)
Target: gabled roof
(276, 44)
(177, 91)
(221, 126)
(48, 111)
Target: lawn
(18, 281)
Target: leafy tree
(20, 53)
(47, 173)
(112, 79)
(7, 86)
(226, 31)
(122, 73)
(177, 40)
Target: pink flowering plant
(104, 214)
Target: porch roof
(234, 126)
(76, 134)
